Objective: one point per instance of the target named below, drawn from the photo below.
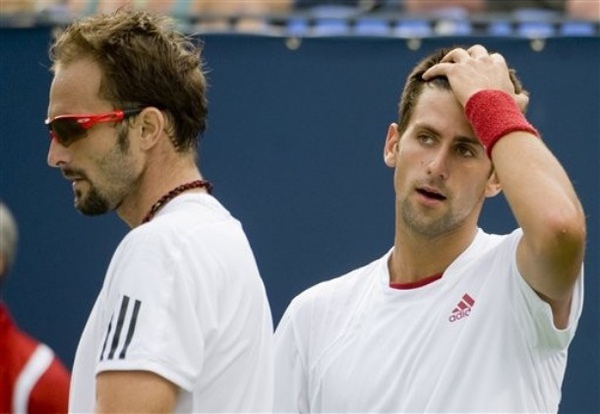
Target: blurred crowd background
(310, 17)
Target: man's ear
(390, 148)
(151, 124)
(493, 186)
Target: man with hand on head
(182, 322)
(450, 319)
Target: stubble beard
(95, 203)
(418, 223)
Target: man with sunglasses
(182, 322)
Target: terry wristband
(494, 114)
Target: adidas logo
(463, 308)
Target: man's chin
(91, 209)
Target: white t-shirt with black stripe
(477, 340)
(183, 298)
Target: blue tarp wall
(294, 149)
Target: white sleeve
(543, 332)
(153, 324)
(535, 315)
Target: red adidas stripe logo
(462, 309)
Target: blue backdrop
(294, 148)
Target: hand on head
(475, 69)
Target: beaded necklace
(174, 193)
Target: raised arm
(538, 190)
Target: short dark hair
(413, 88)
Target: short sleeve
(535, 315)
(152, 321)
(543, 332)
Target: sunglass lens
(67, 130)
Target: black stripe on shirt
(119, 328)
(132, 322)
(106, 339)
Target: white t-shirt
(183, 298)
(477, 340)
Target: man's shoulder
(192, 218)
(486, 243)
(344, 288)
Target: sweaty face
(102, 167)
(442, 172)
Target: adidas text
(459, 315)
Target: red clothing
(32, 378)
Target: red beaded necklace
(174, 193)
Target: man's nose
(438, 165)
(57, 153)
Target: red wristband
(494, 114)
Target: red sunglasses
(70, 128)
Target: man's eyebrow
(468, 140)
(461, 139)
(426, 128)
